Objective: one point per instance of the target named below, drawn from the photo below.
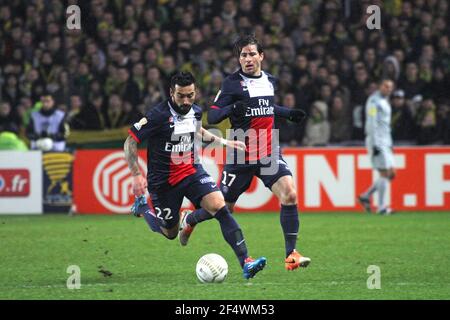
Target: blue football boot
(252, 266)
(140, 206)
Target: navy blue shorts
(236, 178)
(167, 202)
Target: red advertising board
(102, 181)
(327, 179)
(331, 179)
(14, 182)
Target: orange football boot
(295, 260)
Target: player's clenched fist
(376, 151)
(240, 108)
(139, 185)
(297, 115)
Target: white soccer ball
(44, 144)
(211, 268)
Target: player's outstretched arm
(208, 136)
(238, 109)
(294, 115)
(217, 114)
(131, 155)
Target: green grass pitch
(411, 249)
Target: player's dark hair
(183, 79)
(246, 40)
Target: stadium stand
(106, 75)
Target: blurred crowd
(328, 61)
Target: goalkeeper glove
(297, 115)
(240, 108)
(376, 151)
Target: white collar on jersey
(257, 87)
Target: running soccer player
(173, 173)
(379, 145)
(247, 98)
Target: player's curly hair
(246, 40)
(182, 78)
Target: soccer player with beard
(247, 99)
(174, 172)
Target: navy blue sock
(198, 216)
(152, 222)
(232, 233)
(290, 223)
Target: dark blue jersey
(259, 116)
(170, 138)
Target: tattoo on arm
(131, 155)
